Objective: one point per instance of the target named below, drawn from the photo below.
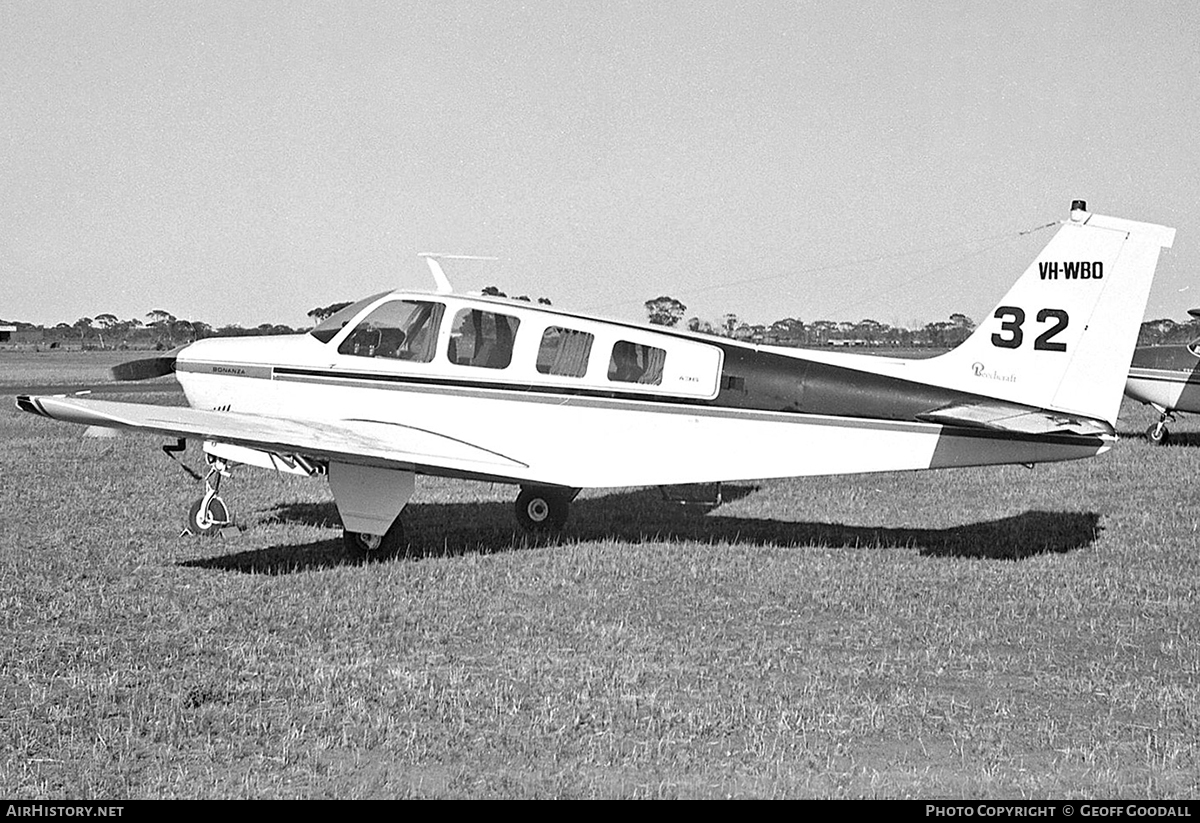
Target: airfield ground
(972, 633)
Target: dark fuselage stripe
(636, 402)
(406, 381)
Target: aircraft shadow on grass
(1177, 438)
(453, 529)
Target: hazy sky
(243, 162)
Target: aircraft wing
(363, 442)
(999, 416)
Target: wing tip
(30, 404)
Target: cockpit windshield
(328, 328)
(398, 330)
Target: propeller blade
(145, 368)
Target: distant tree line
(1167, 332)
(792, 331)
(162, 330)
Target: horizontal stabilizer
(1014, 418)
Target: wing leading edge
(362, 442)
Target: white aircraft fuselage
(722, 410)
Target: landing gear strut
(209, 514)
(544, 508)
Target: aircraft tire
(217, 519)
(1158, 435)
(542, 509)
(361, 546)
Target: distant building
(16, 334)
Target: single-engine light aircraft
(1167, 378)
(404, 383)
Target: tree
(494, 291)
(665, 311)
(84, 324)
(182, 329)
(161, 322)
(869, 331)
(819, 332)
(959, 329)
(320, 313)
(107, 323)
(962, 321)
(1162, 331)
(787, 332)
(749, 332)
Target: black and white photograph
(600, 399)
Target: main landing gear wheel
(1158, 434)
(208, 519)
(544, 509)
(363, 546)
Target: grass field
(45, 368)
(991, 633)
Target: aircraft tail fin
(1063, 336)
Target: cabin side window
(636, 363)
(397, 330)
(482, 338)
(564, 352)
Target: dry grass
(993, 633)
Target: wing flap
(354, 441)
(1017, 419)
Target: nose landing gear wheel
(369, 547)
(208, 515)
(543, 510)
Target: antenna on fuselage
(435, 268)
